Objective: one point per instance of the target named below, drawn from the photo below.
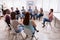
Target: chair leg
(16, 37)
(12, 37)
(35, 38)
(22, 37)
(32, 38)
(50, 25)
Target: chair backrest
(14, 23)
(28, 32)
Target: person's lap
(46, 20)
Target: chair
(29, 34)
(49, 23)
(41, 18)
(13, 33)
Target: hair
(26, 19)
(4, 12)
(16, 8)
(51, 10)
(41, 10)
(7, 11)
(13, 15)
(11, 7)
(7, 19)
(22, 6)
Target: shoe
(43, 26)
(37, 30)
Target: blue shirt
(30, 11)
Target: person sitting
(23, 12)
(50, 18)
(29, 24)
(17, 13)
(14, 22)
(30, 11)
(7, 18)
(35, 13)
(41, 13)
(12, 10)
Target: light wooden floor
(43, 34)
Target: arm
(50, 15)
(33, 23)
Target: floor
(46, 33)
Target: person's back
(30, 26)
(14, 23)
(28, 23)
(7, 20)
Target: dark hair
(51, 10)
(41, 9)
(7, 11)
(13, 15)
(11, 7)
(26, 19)
(7, 20)
(4, 12)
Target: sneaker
(43, 26)
(37, 30)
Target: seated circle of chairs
(24, 32)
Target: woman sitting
(7, 18)
(15, 24)
(29, 24)
(41, 13)
(50, 18)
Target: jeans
(39, 16)
(35, 16)
(31, 15)
(18, 16)
(46, 20)
(20, 28)
(23, 15)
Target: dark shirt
(17, 12)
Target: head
(51, 10)
(41, 10)
(26, 19)
(7, 11)
(35, 7)
(29, 7)
(13, 15)
(12, 8)
(16, 8)
(22, 7)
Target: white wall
(53, 4)
(45, 4)
(48, 4)
(39, 4)
(58, 7)
(14, 3)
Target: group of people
(26, 17)
(34, 14)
